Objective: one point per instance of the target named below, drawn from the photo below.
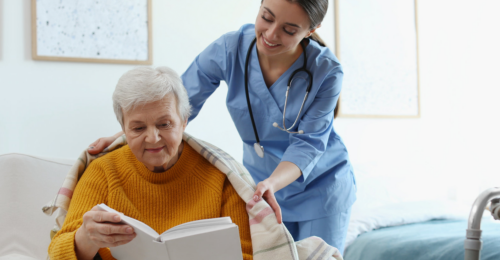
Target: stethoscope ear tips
(275, 124)
(301, 131)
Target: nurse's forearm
(283, 175)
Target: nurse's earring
(312, 31)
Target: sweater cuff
(105, 254)
(63, 246)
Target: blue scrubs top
(327, 184)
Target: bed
(435, 239)
(403, 217)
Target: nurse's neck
(285, 59)
(274, 66)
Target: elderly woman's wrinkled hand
(102, 229)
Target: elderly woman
(157, 178)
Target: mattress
(436, 239)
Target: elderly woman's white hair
(144, 85)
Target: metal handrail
(473, 243)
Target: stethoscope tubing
(297, 118)
(259, 149)
(246, 90)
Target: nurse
(304, 173)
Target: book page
(194, 231)
(221, 244)
(201, 223)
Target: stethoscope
(259, 149)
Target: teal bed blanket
(436, 240)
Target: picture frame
(92, 31)
(381, 65)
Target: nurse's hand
(282, 176)
(103, 142)
(265, 190)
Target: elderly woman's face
(154, 132)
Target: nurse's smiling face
(154, 133)
(280, 26)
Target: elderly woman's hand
(100, 229)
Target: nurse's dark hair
(316, 10)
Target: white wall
(57, 108)
(456, 141)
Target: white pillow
(366, 220)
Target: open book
(207, 239)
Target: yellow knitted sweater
(190, 190)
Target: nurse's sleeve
(203, 76)
(317, 122)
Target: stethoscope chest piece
(259, 149)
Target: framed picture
(377, 45)
(104, 31)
